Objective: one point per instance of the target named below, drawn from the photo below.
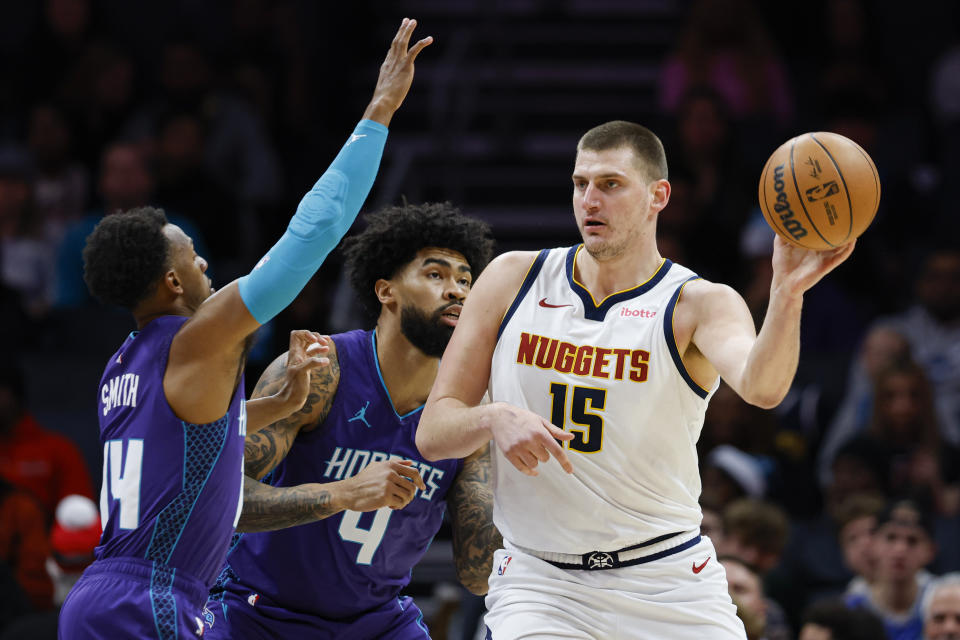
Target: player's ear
(172, 282)
(385, 291)
(659, 194)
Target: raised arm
(475, 538)
(759, 367)
(452, 424)
(266, 445)
(308, 352)
(207, 348)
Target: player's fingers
(540, 452)
(403, 492)
(411, 474)
(317, 362)
(419, 46)
(317, 348)
(556, 432)
(398, 36)
(528, 459)
(521, 466)
(403, 34)
(557, 452)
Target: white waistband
(624, 556)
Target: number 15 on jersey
(585, 403)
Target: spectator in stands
(185, 185)
(99, 90)
(903, 546)
(746, 589)
(755, 531)
(729, 473)
(905, 425)
(60, 183)
(236, 150)
(711, 524)
(856, 522)
(813, 565)
(75, 535)
(45, 464)
(932, 327)
(26, 259)
(881, 348)
(126, 182)
(24, 547)
(941, 608)
(831, 620)
(705, 157)
(725, 45)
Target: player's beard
(424, 331)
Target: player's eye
(612, 184)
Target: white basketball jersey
(611, 374)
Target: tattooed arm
(265, 447)
(471, 514)
(287, 391)
(267, 508)
(387, 483)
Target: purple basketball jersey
(172, 490)
(349, 563)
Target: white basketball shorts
(682, 596)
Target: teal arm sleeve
(324, 215)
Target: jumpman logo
(362, 415)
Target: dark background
(238, 106)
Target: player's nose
(591, 198)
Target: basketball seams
(796, 186)
(845, 188)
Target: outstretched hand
(308, 351)
(799, 269)
(526, 439)
(396, 74)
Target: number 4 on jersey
(589, 440)
(368, 539)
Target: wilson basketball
(819, 190)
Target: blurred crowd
(836, 511)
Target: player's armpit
(475, 538)
(267, 508)
(266, 447)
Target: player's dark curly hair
(394, 235)
(126, 255)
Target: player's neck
(151, 309)
(606, 276)
(408, 373)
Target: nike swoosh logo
(354, 137)
(544, 303)
(697, 569)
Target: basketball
(819, 190)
